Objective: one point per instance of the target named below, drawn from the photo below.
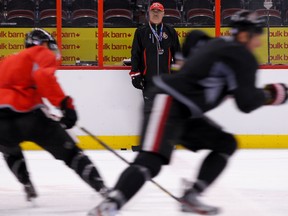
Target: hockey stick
(127, 162)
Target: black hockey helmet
(247, 21)
(193, 40)
(38, 36)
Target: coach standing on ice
(153, 49)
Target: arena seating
(131, 13)
(172, 16)
(272, 16)
(118, 17)
(84, 18)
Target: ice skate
(30, 191)
(106, 208)
(186, 184)
(190, 203)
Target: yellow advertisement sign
(12, 40)
(81, 43)
(278, 45)
(117, 45)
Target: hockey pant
(36, 127)
(168, 122)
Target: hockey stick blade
(127, 162)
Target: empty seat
(172, 16)
(193, 4)
(23, 18)
(20, 5)
(272, 15)
(84, 18)
(51, 4)
(48, 13)
(227, 4)
(47, 18)
(116, 4)
(44, 5)
(118, 17)
(171, 4)
(140, 17)
(84, 4)
(226, 15)
(255, 4)
(200, 17)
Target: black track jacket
(144, 56)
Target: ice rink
(254, 184)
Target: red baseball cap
(157, 6)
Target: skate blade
(94, 212)
(32, 203)
(193, 209)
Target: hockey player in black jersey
(225, 68)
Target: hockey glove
(69, 114)
(276, 93)
(137, 80)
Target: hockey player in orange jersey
(26, 78)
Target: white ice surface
(254, 184)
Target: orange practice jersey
(27, 77)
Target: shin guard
(83, 166)
(17, 165)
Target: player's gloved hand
(276, 93)
(69, 114)
(137, 80)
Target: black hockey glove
(276, 93)
(69, 114)
(137, 80)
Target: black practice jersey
(221, 68)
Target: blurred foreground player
(193, 42)
(25, 79)
(224, 67)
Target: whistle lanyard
(158, 37)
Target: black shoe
(30, 191)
